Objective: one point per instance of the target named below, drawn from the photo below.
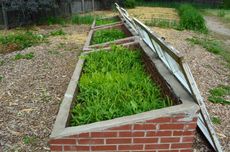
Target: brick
(168, 151)
(100, 148)
(55, 148)
(191, 126)
(159, 133)
(130, 147)
(84, 135)
(145, 140)
(188, 139)
(118, 141)
(124, 127)
(131, 134)
(181, 145)
(170, 140)
(194, 120)
(186, 150)
(104, 134)
(63, 141)
(157, 146)
(171, 126)
(144, 126)
(76, 148)
(91, 141)
(160, 120)
(183, 133)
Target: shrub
(114, 84)
(86, 19)
(130, 3)
(107, 35)
(53, 20)
(226, 4)
(190, 18)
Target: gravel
(31, 90)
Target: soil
(31, 90)
(209, 71)
(215, 25)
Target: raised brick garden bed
(167, 129)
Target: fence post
(83, 5)
(93, 5)
(5, 19)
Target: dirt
(209, 71)
(31, 90)
(215, 25)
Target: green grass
(213, 46)
(107, 35)
(216, 120)
(20, 41)
(28, 139)
(106, 21)
(1, 77)
(82, 19)
(191, 18)
(53, 20)
(114, 84)
(57, 32)
(27, 56)
(222, 14)
(163, 23)
(217, 95)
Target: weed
(27, 56)
(107, 35)
(114, 84)
(217, 94)
(191, 18)
(54, 52)
(85, 19)
(1, 77)
(164, 23)
(19, 41)
(57, 32)
(1, 62)
(221, 13)
(211, 45)
(28, 139)
(130, 3)
(216, 120)
(106, 21)
(53, 20)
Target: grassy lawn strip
(217, 95)
(106, 21)
(163, 23)
(213, 46)
(114, 84)
(107, 35)
(19, 41)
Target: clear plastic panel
(147, 39)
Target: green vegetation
(222, 14)
(53, 20)
(130, 3)
(27, 56)
(107, 35)
(28, 139)
(217, 94)
(19, 41)
(57, 32)
(213, 46)
(114, 84)
(191, 18)
(164, 23)
(106, 21)
(82, 19)
(226, 4)
(216, 120)
(1, 62)
(1, 77)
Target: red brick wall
(161, 134)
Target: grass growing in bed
(114, 84)
(106, 21)
(107, 35)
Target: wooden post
(93, 3)
(5, 19)
(83, 5)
